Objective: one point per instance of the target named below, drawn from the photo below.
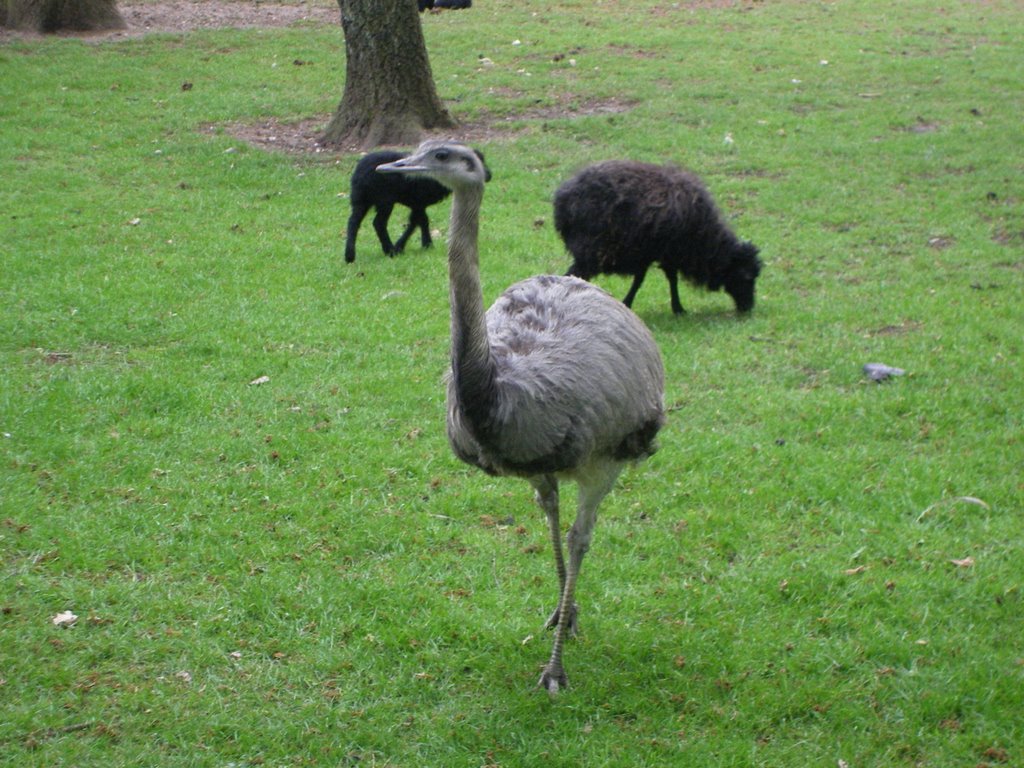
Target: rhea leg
(594, 485)
(546, 487)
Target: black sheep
(621, 216)
(452, 4)
(370, 189)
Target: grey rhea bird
(556, 381)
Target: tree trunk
(389, 95)
(47, 16)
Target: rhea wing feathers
(566, 388)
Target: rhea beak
(400, 166)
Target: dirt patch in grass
(303, 137)
(169, 16)
(188, 15)
(907, 326)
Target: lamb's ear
(487, 171)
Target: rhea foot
(552, 622)
(553, 679)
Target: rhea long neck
(473, 369)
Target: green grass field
(814, 570)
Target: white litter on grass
(64, 619)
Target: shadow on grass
(709, 318)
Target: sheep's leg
(380, 224)
(354, 222)
(546, 487)
(638, 280)
(673, 289)
(424, 224)
(593, 487)
(410, 228)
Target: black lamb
(621, 216)
(370, 189)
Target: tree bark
(389, 95)
(48, 16)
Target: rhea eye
(441, 154)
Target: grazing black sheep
(451, 4)
(370, 189)
(621, 216)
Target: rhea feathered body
(553, 395)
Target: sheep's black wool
(370, 189)
(621, 216)
(453, 4)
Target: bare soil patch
(170, 16)
(303, 137)
(188, 15)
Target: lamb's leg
(673, 289)
(399, 245)
(354, 222)
(638, 280)
(546, 487)
(380, 224)
(417, 219)
(594, 485)
(424, 224)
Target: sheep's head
(742, 274)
